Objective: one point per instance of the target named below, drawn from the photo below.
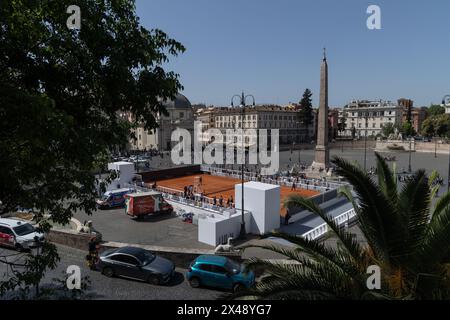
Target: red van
(139, 205)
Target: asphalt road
(102, 287)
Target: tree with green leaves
(387, 129)
(306, 110)
(437, 126)
(407, 236)
(62, 93)
(407, 129)
(435, 110)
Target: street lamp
(409, 163)
(242, 105)
(445, 101)
(365, 143)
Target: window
(218, 269)
(181, 115)
(6, 230)
(205, 267)
(125, 259)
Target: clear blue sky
(273, 49)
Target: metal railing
(308, 184)
(199, 201)
(322, 229)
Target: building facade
(367, 118)
(180, 115)
(262, 117)
(418, 116)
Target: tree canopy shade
(61, 95)
(62, 91)
(407, 237)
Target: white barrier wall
(126, 173)
(217, 230)
(263, 201)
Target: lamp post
(242, 105)
(435, 147)
(365, 143)
(409, 161)
(445, 101)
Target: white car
(19, 235)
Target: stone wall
(394, 145)
(416, 146)
(430, 147)
(70, 238)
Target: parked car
(19, 235)
(113, 198)
(219, 272)
(136, 263)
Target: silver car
(136, 263)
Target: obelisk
(322, 155)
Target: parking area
(159, 230)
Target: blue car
(219, 272)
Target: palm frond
(377, 215)
(442, 204)
(348, 242)
(386, 179)
(413, 208)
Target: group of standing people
(188, 192)
(220, 202)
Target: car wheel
(237, 287)
(19, 247)
(154, 280)
(194, 282)
(109, 272)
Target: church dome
(180, 102)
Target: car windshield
(105, 197)
(145, 257)
(233, 267)
(24, 229)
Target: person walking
(92, 256)
(221, 201)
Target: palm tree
(407, 237)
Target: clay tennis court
(223, 186)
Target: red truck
(138, 205)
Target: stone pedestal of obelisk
(322, 155)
